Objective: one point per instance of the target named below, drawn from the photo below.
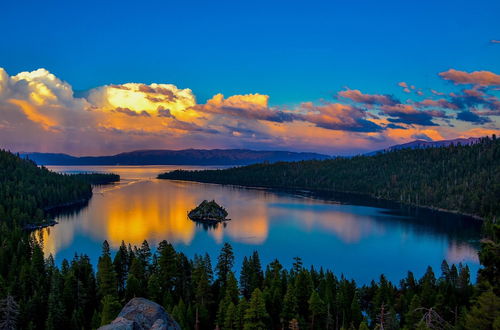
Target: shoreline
(30, 227)
(68, 204)
(316, 195)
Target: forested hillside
(36, 294)
(457, 178)
(26, 190)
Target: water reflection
(339, 235)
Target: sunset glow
(141, 116)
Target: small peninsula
(209, 212)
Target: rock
(208, 212)
(142, 314)
(119, 323)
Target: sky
(336, 77)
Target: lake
(360, 239)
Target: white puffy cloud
(39, 112)
(141, 97)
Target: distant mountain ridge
(419, 144)
(176, 157)
(214, 156)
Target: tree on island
(208, 212)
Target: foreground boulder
(142, 314)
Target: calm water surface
(360, 241)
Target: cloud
(472, 117)
(422, 136)
(132, 113)
(250, 106)
(435, 92)
(141, 97)
(356, 96)
(440, 103)
(405, 87)
(407, 114)
(476, 98)
(336, 116)
(478, 78)
(40, 112)
(164, 113)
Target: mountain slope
(465, 179)
(176, 157)
(427, 144)
(26, 190)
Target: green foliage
(485, 314)
(317, 308)
(459, 178)
(256, 316)
(27, 191)
(208, 211)
(36, 294)
(106, 276)
(110, 309)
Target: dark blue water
(358, 237)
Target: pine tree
(167, 264)
(414, 314)
(231, 319)
(316, 307)
(256, 316)
(303, 290)
(356, 315)
(485, 314)
(110, 309)
(154, 288)
(137, 272)
(56, 318)
(106, 277)
(232, 287)
(224, 263)
(179, 313)
(121, 264)
(9, 311)
(290, 308)
(222, 310)
(363, 326)
(133, 287)
(245, 278)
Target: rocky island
(209, 212)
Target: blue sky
(292, 51)
(338, 77)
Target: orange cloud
(39, 112)
(357, 96)
(250, 106)
(480, 78)
(441, 103)
(34, 115)
(336, 116)
(141, 97)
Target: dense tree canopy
(457, 178)
(27, 191)
(37, 294)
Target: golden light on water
(148, 216)
(142, 208)
(157, 211)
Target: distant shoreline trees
(464, 179)
(28, 191)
